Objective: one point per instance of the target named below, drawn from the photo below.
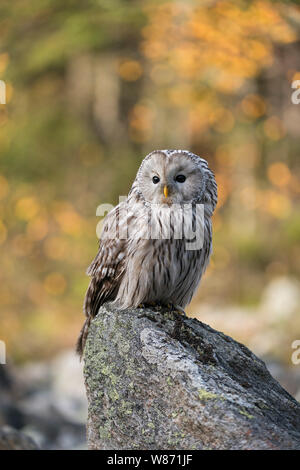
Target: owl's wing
(106, 271)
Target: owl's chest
(165, 263)
(161, 270)
(169, 271)
(167, 244)
(174, 222)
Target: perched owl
(144, 254)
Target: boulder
(158, 380)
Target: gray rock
(46, 401)
(157, 380)
(11, 439)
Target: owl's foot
(168, 307)
(149, 305)
(152, 305)
(178, 309)
(174, 308)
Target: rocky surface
(11, 439)
(43, 403)
(157, 380)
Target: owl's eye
(155, 179)
(180, 178)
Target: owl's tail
(87, 309)
(90, 308)
(82, 337)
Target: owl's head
(176, 177)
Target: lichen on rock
(157, 380)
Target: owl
(148, 250)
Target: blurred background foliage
(92, 87)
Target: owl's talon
(174, 308)
(179, 310)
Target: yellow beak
(166, 191)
